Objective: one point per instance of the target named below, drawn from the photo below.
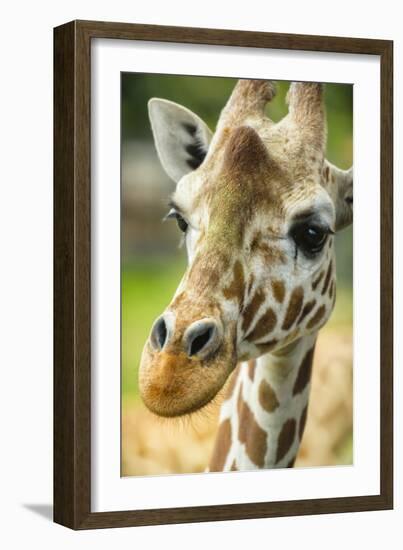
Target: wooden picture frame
(72, 274)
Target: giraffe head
(258, 205)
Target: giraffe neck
(263, 417)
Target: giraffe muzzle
(185, 363)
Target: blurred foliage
(148, 283)
(147, 288)
(203, 95)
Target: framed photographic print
(208, 363)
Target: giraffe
(258, 205)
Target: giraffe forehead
(235, 201)
(272, 192)
(240, 214)
(222, 188)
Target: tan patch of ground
(328, 433)
(152, 446)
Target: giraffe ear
(181, 137)
(344, 205)
(339, 184)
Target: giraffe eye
(180, 220)
(182, 223)
(310, 238)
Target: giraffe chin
(173, 384)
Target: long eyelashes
(180, 220)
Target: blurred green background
(152, 263)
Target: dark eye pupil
(314, 235)
(310, 238)
(182, 224)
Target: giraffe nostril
(159, 334)
(202, 338)
(200, 341)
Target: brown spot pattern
(222, 446)
(202, 275)
(251, 434)
(302, 422)
(294, 307)
(317, 280)
(251, 369)
(251, 309)
(264, 326)
(271, 254)
(327, 278)
(308, 307)
(317, 317)
(286, 438)
(304, 372)
(232, 381)
(331, 288)
(267, 397)
(278, 289)
(236, 288)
